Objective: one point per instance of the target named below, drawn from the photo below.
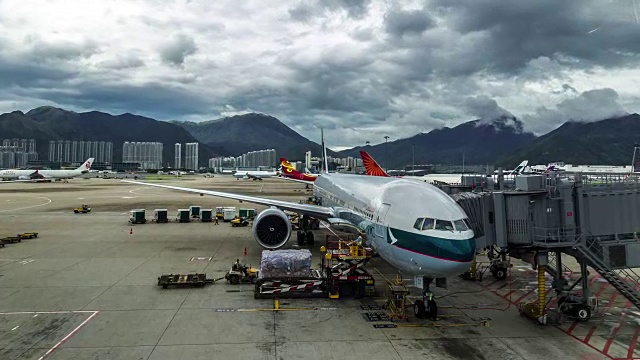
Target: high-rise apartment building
(191, 156)
(177, 162)
(148, 154)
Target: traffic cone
(131, 231)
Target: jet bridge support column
(537, 310)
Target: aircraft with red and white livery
(44, 175)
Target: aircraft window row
(443, 225)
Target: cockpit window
(418, 224)
(460, 225)
(445, 225)
(428, 224)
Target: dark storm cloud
(592, 105)
(24, 74)
(179, 47)
(400, 22)
(306, 10)
(514, 32)
(485, 109)
(39, 50)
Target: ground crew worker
(216, 221)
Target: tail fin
(519, 168)
(371, 165)
(86, 166)
(287, 167)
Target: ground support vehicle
(241, 273)
(83, 209)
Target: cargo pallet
(293, 287)
(11, 239)
(186, 280)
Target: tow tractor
(241, 273)
(238, 222)
(84, 209)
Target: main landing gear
(304, 235)
(426, 308)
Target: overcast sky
(362, 69)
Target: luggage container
(183, 216)
(229, 214)
(248, 214)
(194, 211)
(160, 216)
(206, 215)
(137, 216)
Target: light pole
(386, 151)
(413, 158)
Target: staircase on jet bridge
(624, 280)
(551, 267)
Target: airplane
(288, 171)
(254, 175)
(44, 175)
(374, 169)
(412, 225)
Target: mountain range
(474, 142)
(242, 133)
(501, 141)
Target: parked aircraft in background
(288, 171)
(45, 175)
(254, 175)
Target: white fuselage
(254, 174)
(39, 174)
(388, 209)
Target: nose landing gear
(426, 308)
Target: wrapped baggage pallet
(288, 273)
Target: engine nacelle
(272, 228)
(22, 177)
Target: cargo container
(194, 211)
(248, 214)
(137, 216)
(160, 216)
(206, 215)
(183, 216)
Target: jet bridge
(594, 218)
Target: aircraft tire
(432, 310)
(309, 237)
(300, 238)
(419, 309)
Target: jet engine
(272, 228)
(22, 177)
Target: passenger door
(381, 217)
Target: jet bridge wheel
(582, 312)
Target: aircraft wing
(317, 211)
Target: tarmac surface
(86, 288)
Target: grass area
(166, 177)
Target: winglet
(372, 167)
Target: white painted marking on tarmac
(15, 327)
(49, 201)
(25, 262)
(54, 347)
(36, 315)
(128, 197)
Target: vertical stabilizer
(372, 167)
